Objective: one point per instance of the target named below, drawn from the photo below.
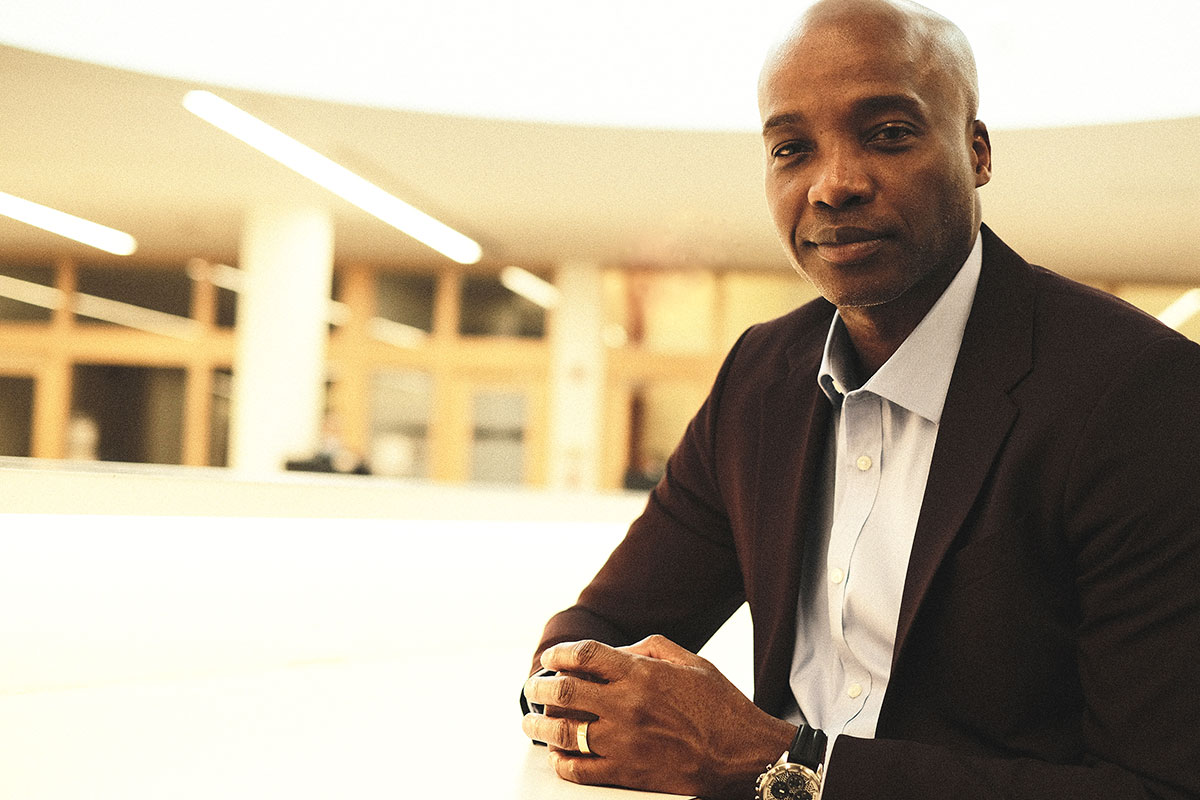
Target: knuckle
(585, 652)
(577, 769)
(565, 691)
(561, 733)
(564, 767)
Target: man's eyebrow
(781, 120)
(866, 106)
(876, 104)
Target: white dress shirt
(857, 548)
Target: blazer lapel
(996, 353)
(794, 421)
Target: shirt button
(836, 575)
(854, 690)
(863, 463)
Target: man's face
(872, 164)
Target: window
(166, 290)
(498, 441)
(401, 405)
(489, 309)
(124, 413)
(406, 298)
(16, 415)
(17, 311)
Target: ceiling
(1104, 202)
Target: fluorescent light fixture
(530, 286)
(337, 313)
(332, 176)
(1180, 311)
(396, 334)
(114, 311)
(131, 316)
(220, 275)
(32, 293)
(383, 330)
(63, 224)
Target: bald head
(934, 46)
(874, 157)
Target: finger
(583, 769)
(589, 657)
(559, 733)
(664, 649)
(562, 692)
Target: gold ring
(581, 738)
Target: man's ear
(981, 153)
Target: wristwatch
(797, 773)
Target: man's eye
(787, 150)
(891, 134)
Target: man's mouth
(845, 245)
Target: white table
(345, 730)
(155, 658)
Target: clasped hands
(659, 718)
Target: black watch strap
(808, 748)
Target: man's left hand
(663, 719)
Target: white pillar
(577, 379)
(282, 323)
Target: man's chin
(863, 297)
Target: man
(963, 508)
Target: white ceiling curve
(633, 63)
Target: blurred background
(602, 165)
(539, 227)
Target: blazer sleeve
(1130, 514)
(676, 571)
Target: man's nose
(839, 182)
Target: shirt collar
(917, 375)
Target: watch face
(791, 783)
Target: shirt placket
(858, 471)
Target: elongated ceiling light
(332, 176)
(384, 330)
(63, 224)
(87, 305)
(531, 287)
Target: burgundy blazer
(1049, 636)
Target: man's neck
(876, 332)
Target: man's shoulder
(786, 347)
(1071, 331)
(1079, 313)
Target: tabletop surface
(230, 658)
(375, 729)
